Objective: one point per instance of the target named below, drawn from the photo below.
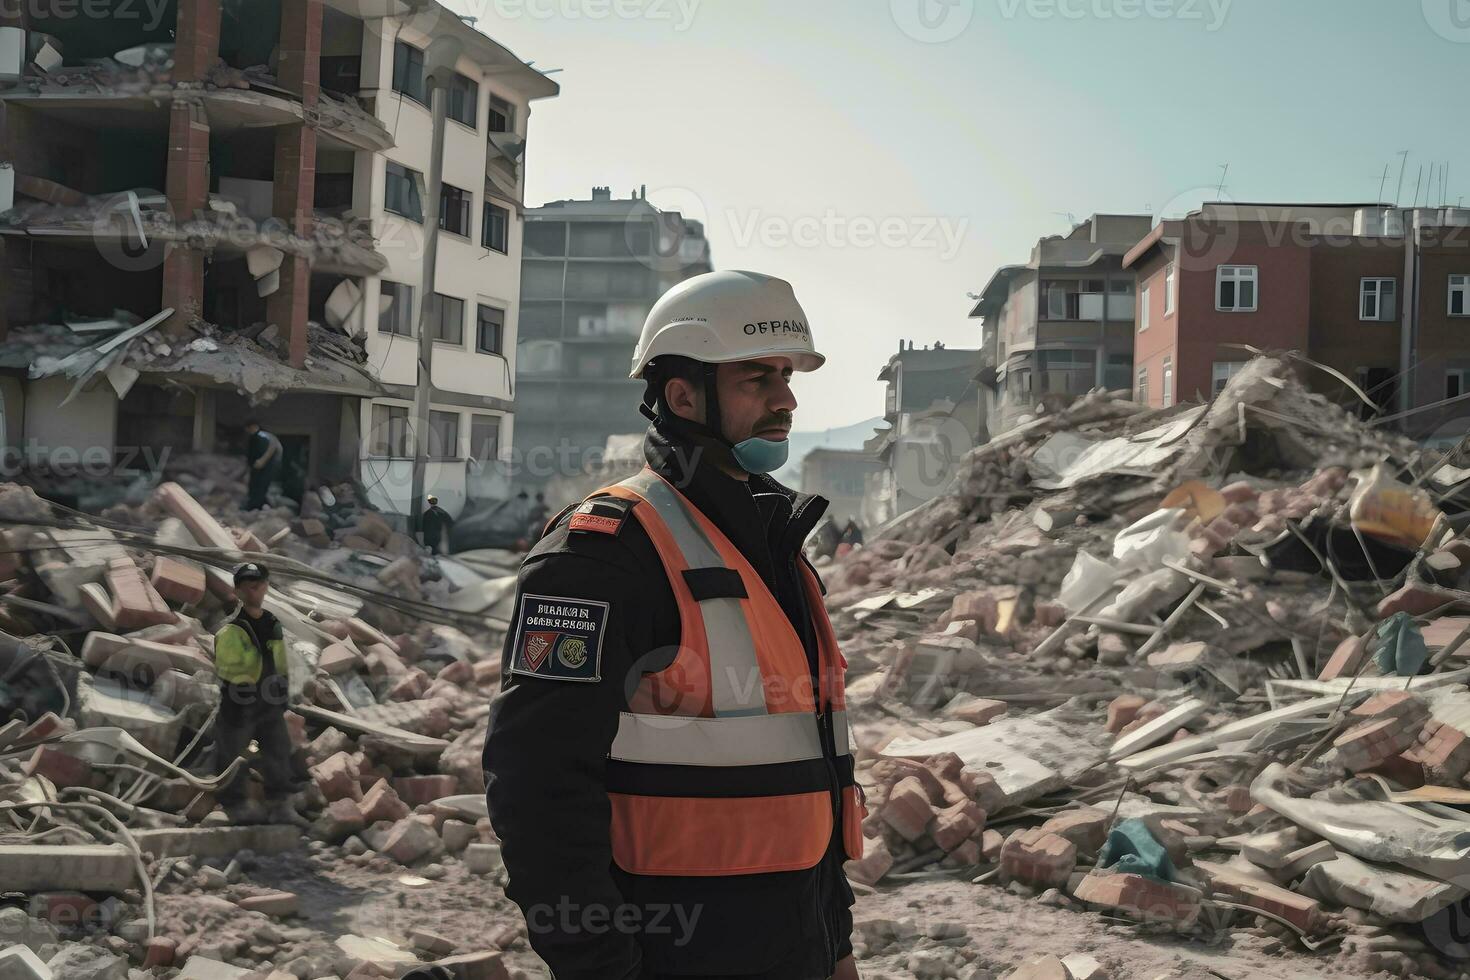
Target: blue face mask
(761, 455)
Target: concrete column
(294, 177)
(300, 64)
(187, 187)
(197, 39)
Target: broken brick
(178, 580)
(1037, 857)
(1140, 898)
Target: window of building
(408, 71)
(495, 234)
(396, 315)
(454, 210)
(447, 320)
(485, 438)
(1456, 382)
(464, 100)
(1142, 396)
(1072, 299)
(489, 330)
(502, 115)
(1168, 392)
(401, 193)
(1222, 372)
(1235, 288)
(1145, 308)
(544, 238)
(1459, 296)
(444, 435)
(389, 436)
(1169, 284)
(1378, 299)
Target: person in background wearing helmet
(250, 660)
(668, 764)
(435, 527)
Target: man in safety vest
(668, 765)
(250, 661)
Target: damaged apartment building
(212, 210)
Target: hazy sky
(886, 157)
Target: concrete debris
(108, 701)
(1241, 623)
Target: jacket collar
(787, 516)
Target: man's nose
(783, 399)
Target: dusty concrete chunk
(77, 962)
(482, 859)
(20, 963)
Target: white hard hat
(727, 316)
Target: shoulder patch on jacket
(600, 515)
(559, 638)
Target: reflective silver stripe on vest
(736, 740)
(736, 686)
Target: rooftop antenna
(1418, 181)
(1383, 183)
(1224, 172)
(1398, 195)
(1071, 218)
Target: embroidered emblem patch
(559, 638)
(604, 515)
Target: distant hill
(848, 437)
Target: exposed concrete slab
(63, 867)
(218, 841)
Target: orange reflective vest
(731, 760)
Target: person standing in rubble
(263, 455)
(250, 661)
(668, 765)
(435, 526)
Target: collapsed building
(1200, 668)
(211, 210)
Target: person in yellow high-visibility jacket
(250, 661)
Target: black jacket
(546, 758)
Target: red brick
(65, 910)
(276, 904)
(874, 864)
(1372, 743)
(458, 673)
(1140, 898)
(1346, 660)
(177, 580)
(337, 777)
(59, 767)
(1416, 600)
(1239, 492)
(135, 602)
(380, 802)
(1404, 769)
(1087, 828)
(418, 790)
(991, 841)
(1038, 857)
(1394, 704)
(1123, 709)
(907, 810)
(954, 825)
(486, 965)
(1444, 752)
(159, 951)
(1302, 912)
(410, 687)
(339, 658)
(46, 726)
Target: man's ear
(684, 399)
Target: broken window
(1073, 299)
(408, 71)
(464, 100)
(396, 315)
(489, 330)
(444, 435)
(454, 210)
(1142, 396)
(502, 115)
(401, 191)
(484, 438)
(1456, 382)
(1235, 288)
(447, 320)
(389, 435)
(1168, 392)
(496, 232)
